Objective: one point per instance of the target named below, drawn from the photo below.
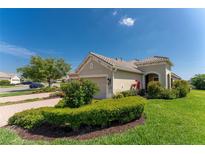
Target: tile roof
(175, 75)
(6, 75)
(131, 66)
(152, 60)
(118, 63)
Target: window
(91, 65)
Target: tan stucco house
(113, 75)
(13, 78)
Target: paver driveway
(23, 97)
(7, 111)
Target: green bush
(118, 95)
(28, 119)
(129, 93)
(46, 89)
(142, 92)
(4, 82)
(78, 92)
(182, 87)
(198, 81)
(101, 114)
(57, 94)
(89, 89)
(154, 89)
(168, 94)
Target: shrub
(118, 95)
(142, 92)
(129, 93)
(28, 119)
(168, 94)
(4, 83)
(78, 92)
(198, 81)
(89, 89)
(99, 114)
(154, 89)
(57, 94)
(182, 87)
(46, 89)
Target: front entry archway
(150, 77)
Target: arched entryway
(151, 77)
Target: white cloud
(15, 50)
(127, 21)
(114, 13)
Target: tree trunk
(49, 82)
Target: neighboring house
(13, 78)
(115, 75)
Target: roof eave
(127, 70)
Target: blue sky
(128, 33)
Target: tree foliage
(198, 81)
(45, 70)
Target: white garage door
(101, 82)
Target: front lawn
(7, 86)
(17, 93)
(178, 121)
(30, 91)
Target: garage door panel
(101, 83)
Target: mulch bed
(46, 132)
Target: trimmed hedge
(4, 83)
(28, 119)
(126, 93)
(101, 113)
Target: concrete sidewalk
(23, 97)
(7, 111)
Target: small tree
(45, 70)
(198, 81)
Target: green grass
(18, 93)
(179, 121)
(7, 86)
(25, 101)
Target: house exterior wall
(15, 80)
(123, 80)
(160, 69)
(97, 70)
(5, 78)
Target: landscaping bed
(49, 132)
(175, 121)
(97, 115)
